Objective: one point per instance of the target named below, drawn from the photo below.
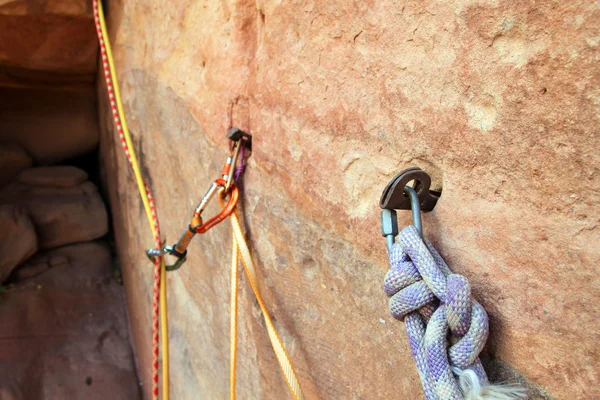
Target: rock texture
(48, 55)
(61, 176)
(52, 125)
(48, 35)
(498, 101)
(63, 206)
(13, 159)
(64, 333)
(18, 240)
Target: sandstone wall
(54, 36)
(48, 56)
(499, 101)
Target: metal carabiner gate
(224, 186)
(399, 195)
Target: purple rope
(241, 167)
(417, 280)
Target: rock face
(56, 35)
(63, 206)
(13, 159)
(497, 100)
(48, 55)
(52, 125)
(64, 333)
(60, 176)
(18, 240)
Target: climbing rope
(228, 194)
(282, 357)
(423, 291)
(433, 301)
(226, 188)
(159, 295)
(240, 249)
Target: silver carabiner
(410, 197)
(389, 220)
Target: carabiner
(225, 187)
(234, 195)
(415, 208)
(239, 139)
(196, 225)
(389, 221)
(152, 253)
(420, 198)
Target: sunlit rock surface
(498, 101)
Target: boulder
(18, 240)
(78, 8)
(52, 125)
(13, 159)
(55, 35)
(38, 264)
(60, 176)
(64, 333)
(61, 215)
(48, 57)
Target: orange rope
(241, 252)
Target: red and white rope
(157, 263)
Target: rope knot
(433, 300)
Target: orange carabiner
(226, 211)
(225, 187)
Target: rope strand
(282, 357)
(159, 299)
(417, 280)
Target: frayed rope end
(472, 389)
